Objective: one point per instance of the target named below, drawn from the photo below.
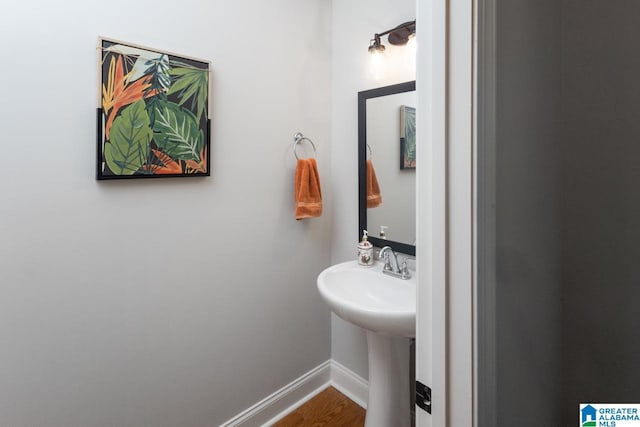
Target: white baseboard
(349, 383)
(277, 405)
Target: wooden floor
(328, 408)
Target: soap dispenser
(365, 250)
(383, 231)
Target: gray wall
(171, 302)
(527, 215)
(600, 132)
(568, 207)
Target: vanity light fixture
(401, 35)
(398, 36)
(375, 46)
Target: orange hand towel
(308, 195)
(374, 199)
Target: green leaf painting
(190, 83)
(176, 132)
(154, 114)
(129, 140)
(407, 137)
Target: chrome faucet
(397, 270)
(384, 253)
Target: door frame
(445, 323)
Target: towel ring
(297, 139)
(370, 151)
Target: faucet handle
(404, 270)
(387, 262)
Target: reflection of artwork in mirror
(407, 137)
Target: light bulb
(376, 65)
(411, 52)
(411, 45)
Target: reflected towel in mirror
(308, 196)
(374, 198)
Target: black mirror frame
(362, 162)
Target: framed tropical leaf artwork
(153, 118)
(407, 137)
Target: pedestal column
(389, 397)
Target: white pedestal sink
(386, 307)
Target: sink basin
(386, 307)
(369, 299)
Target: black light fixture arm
(398, 35)
(378, 35)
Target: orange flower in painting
(118, 94)
(169, 166)
(194, 167)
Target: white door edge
(445, 208)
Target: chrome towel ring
(297, 139)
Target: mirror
(386, 136)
